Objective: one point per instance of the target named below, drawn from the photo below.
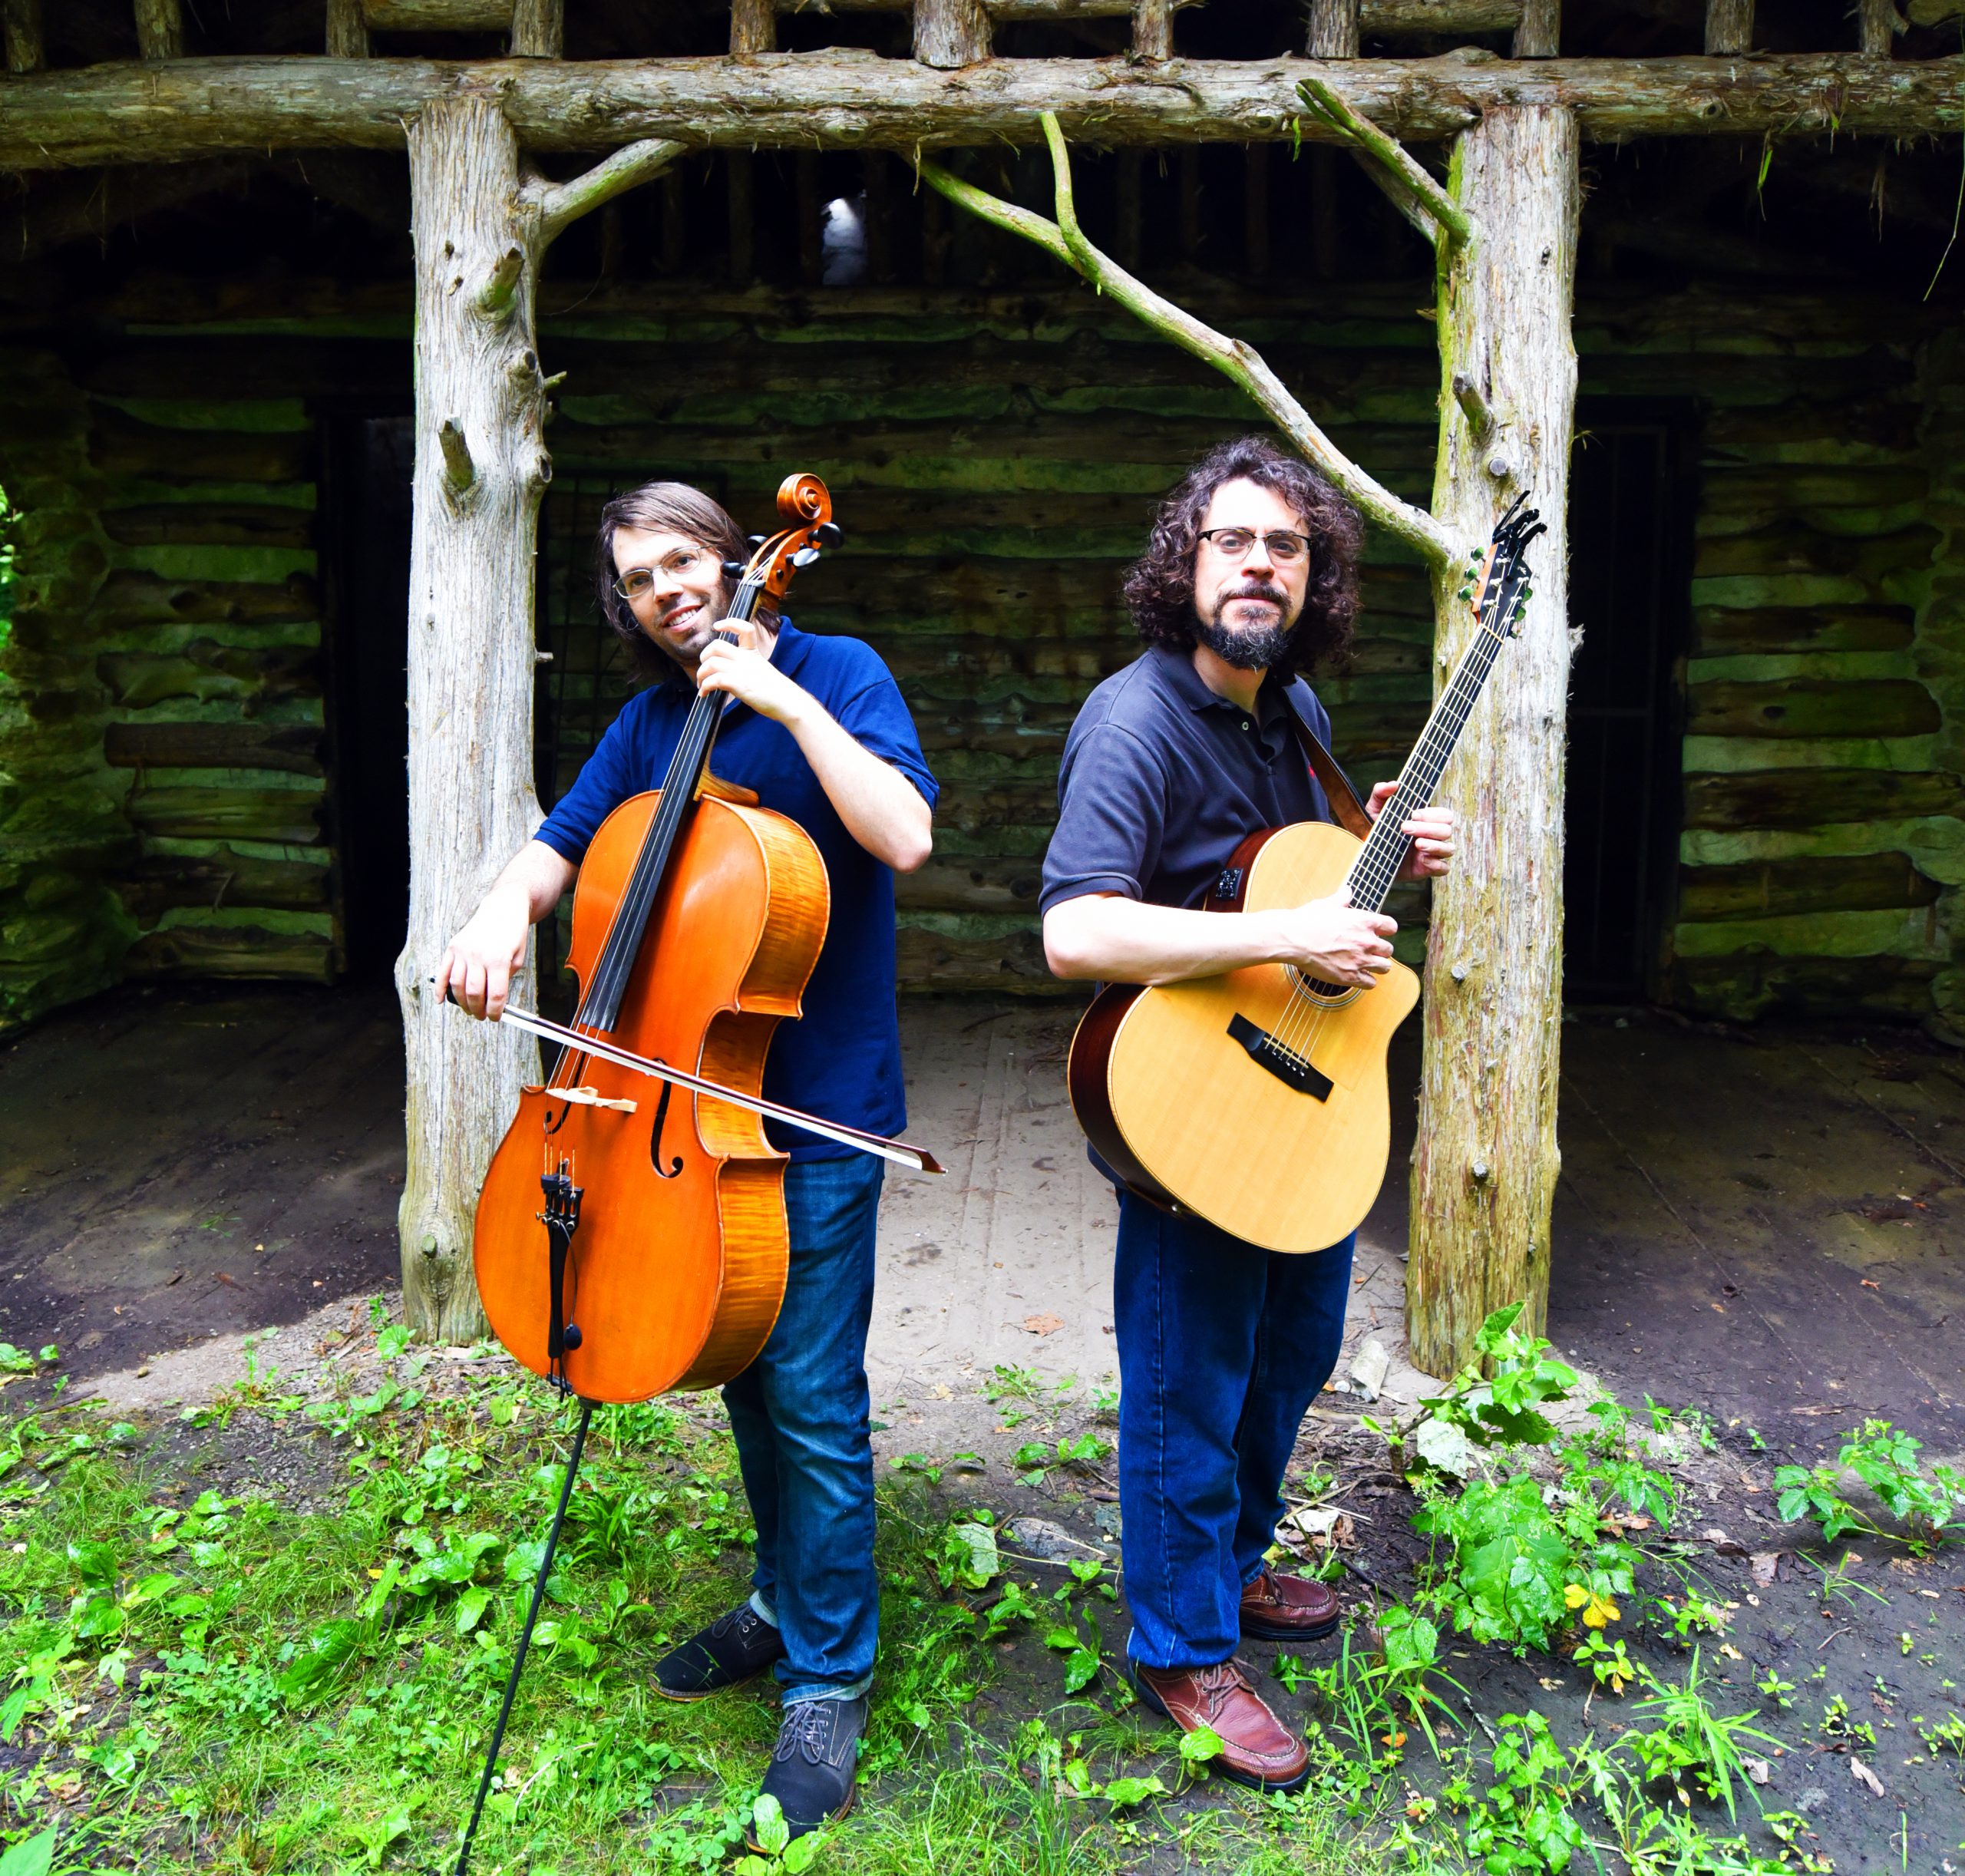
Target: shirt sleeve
(604, 782)
(878, 719)
(1112, 814)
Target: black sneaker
(812, 1767)
(732, 1648)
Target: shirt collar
(1185, 682)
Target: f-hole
(654, 1137)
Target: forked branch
(1239, 362)
(562, 204)
(1438, 218)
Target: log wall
(994, 457)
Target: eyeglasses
(1284, 548)
(637, 583)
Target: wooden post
(1484, 1171)
(754, 26)
(159, 29)
(1333, 29)
(1537, 34)
(20, 23)
(480, 467)
(348, 30)
(1728, 27)
(539, 29)
(951, 33)
(1153, 29)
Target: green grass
(199, 1676)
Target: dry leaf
(1765, 1563)
(1864, 1777)
(1759, 1770)
(1043, 1325)
(1730, 1651)
(1549, 1682)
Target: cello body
(677, 1268)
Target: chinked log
(1789, 549)
(209, 524)
(973, 885)
(1815, 798)
(121, 446)
(160, 881)
(1721, 631)
(259, 367)
(138, 113)
(1746, 984)
(230, 951)
(294, 747)
(130, 598)
(1812, 707)
(1765, 888)
(1790, 486)
(279, 817)
(206, 671)
(927, 959)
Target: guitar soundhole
(1331, 994)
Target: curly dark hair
(1160, 586)
(667, 507)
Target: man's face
(1246, 606)
(684, 596)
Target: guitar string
(1306, 1012)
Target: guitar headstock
(1497, 583)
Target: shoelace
(805, 1732)
(737, 1623)
(1218, 1684)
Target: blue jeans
(1222, 1348)
(799, 1413)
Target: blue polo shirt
(1162, 780)
(840, 1060)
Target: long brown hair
(664, 507)
(1160, 586)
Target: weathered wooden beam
(1728, 27)
(539, 29)
(347, 30)
(753, 27)
(1539, 35)
(1484, 1170)
(439, 15)
(1878, 23)
(1007, 10)
(1333, 31)
(292, 748)
(124, 114)
(949, 34)
(1391, 19)
(159, 29)
(20, 26)
(1153, 29)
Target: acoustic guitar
(1256, 1099)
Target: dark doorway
(1631, 489)
(370, 462)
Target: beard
(1248, 648)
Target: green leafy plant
(1929, 1505)
(1495, 1400)
(1526, 1823)
(1687, 1741)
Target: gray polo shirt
(1162, 780)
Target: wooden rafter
(191, 108)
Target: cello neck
(600, 1002)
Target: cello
(628, 1242)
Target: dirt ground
(1766, 1226)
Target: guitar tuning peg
(1467, 592)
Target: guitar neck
(1375, 868)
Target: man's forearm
(882, 809)
(537, 877)
(1126, 941)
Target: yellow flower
(1596, 1610)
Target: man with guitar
(1251, 574)
(816, 726)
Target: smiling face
(1245, 607)
(686, 595)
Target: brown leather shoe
(1256, 1747)
(1288, 1608)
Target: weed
(1686, 1741)
(1927, 1505)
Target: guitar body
(1247, 1098)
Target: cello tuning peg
(804, 557)
(733, 569)
(828, 534)
(758, 540)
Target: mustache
(1256, 590)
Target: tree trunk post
(539, 29)
(347, 30)
(1484, 1171)
(1539, 32)
(754, 26)
(20, 22)
(480, 467)
(159, 29)
(1728, 27)
(1333, 29)
(1153, 29)
(949, 34)
(1879, 23)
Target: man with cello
(1251, 574)
(816, 728)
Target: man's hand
(1335, 941)
(479, 964)
(745, 673)
(1430, 829)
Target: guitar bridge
(1295, 1070)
